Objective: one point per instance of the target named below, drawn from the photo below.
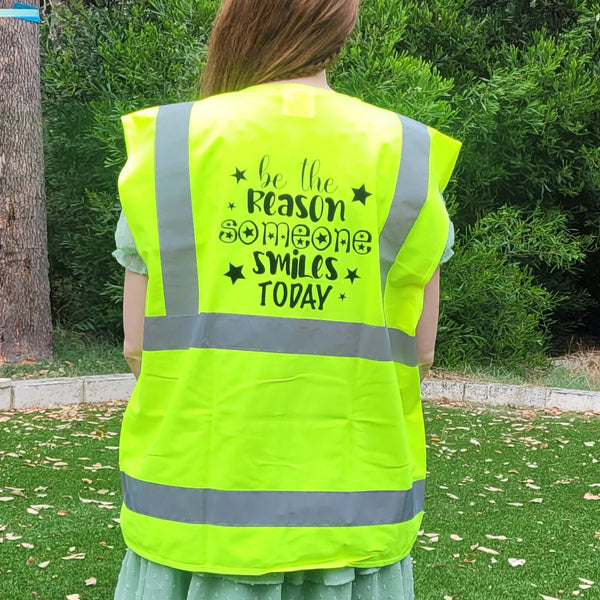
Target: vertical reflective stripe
(410, 195)
(174, 209)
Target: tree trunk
(25, 324)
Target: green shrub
(99, 63)
(527, 99)
(493, 310)
(517, 82)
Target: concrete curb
(34, 393)
(59, 391)
(515, 396)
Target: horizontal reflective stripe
(279, 335)
(272, 509)
(404, 347)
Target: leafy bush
(517, 82)
(493, 311)
(100, 63)
(527, 99)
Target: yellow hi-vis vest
(276, 425)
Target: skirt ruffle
(141, 579)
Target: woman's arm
(134, 302)
(427, 326)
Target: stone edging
(32, 393)
(59, 391)
(522, 396)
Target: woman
(274, 444)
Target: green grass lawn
(504, 487)
(75, 354)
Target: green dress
(141, 579)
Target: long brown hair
(256, 41)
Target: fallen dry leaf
(516, 562)
(73, 597)
(455, 537)
(590, 496)
(91, 581)
(78, 556)
(487, 550)
(44, 564)
(548, 597)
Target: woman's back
(289, 234)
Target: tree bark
(25, 322)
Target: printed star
(322, 238)
(248, 232)
(352, 275)
(239, 175)
(235, 273)
(361, 247)
(271, 236)
(360, 194)
(231, 206)
(342, 297)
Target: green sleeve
(448, 252)
(126, 253)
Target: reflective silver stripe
(279, 335)
(410, 195)
(174, 209)
(404, 347)
(272, 509)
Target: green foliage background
(516, 81)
